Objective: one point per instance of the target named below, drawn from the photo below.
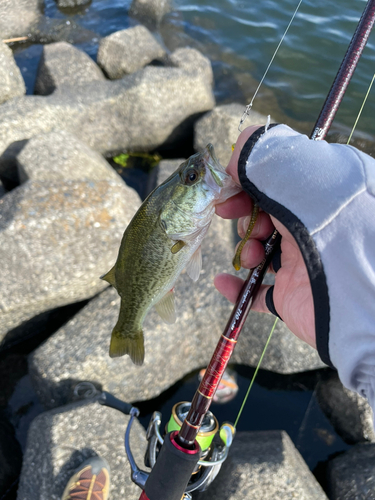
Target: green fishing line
(255, 373)
(360, 111)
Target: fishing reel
(214, 443)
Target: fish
(163, 238)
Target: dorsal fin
(110, 277)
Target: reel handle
(108, 399)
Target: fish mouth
(215, 168)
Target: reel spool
(214, 444)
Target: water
(243, 35)
(239, 37)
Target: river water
(239, 37)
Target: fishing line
(250, 105)
(255, 373)
(360, 111)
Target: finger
(262, 229)
(252, 254)
(232, 167)
(230, 287)
(236, 206)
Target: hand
(292, 292)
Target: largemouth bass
(162, 239)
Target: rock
(2, 190)
(127, 51)
(83, 343)
(349, 413)
(60, 156)
(60, 230)
(60, 440)
(49, 30)
(63, 64)
(264, 465)
(351, 475)
(71, 3)
(193, 62)
(17, 17)
(220, 127)
(140, 112)
(11, 81)
(149, 12)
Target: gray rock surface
(59, 230)
(56, 240)
(220, 127)
(71, 3)
(350, 414)
(127, 51)
(150, 12)
(11, 81)
(352, 475)
(16, 17)
(139, 112)
(49, 30)
(194, 62)
(63, 64)
(60, 156)
(60, 440)
(202, 313)
(264, 465)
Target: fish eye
(191, 176)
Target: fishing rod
(178, 467)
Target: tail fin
(127, 343)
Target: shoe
(89, 482)
(227, 388)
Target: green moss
(145, 161)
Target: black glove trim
(270, 303)
(305, 242)
(276, 260)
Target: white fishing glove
(324, 194)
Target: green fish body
(163, 238)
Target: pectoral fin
(178, 246)
(166, 308)
(110, 277)
(195, 264)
